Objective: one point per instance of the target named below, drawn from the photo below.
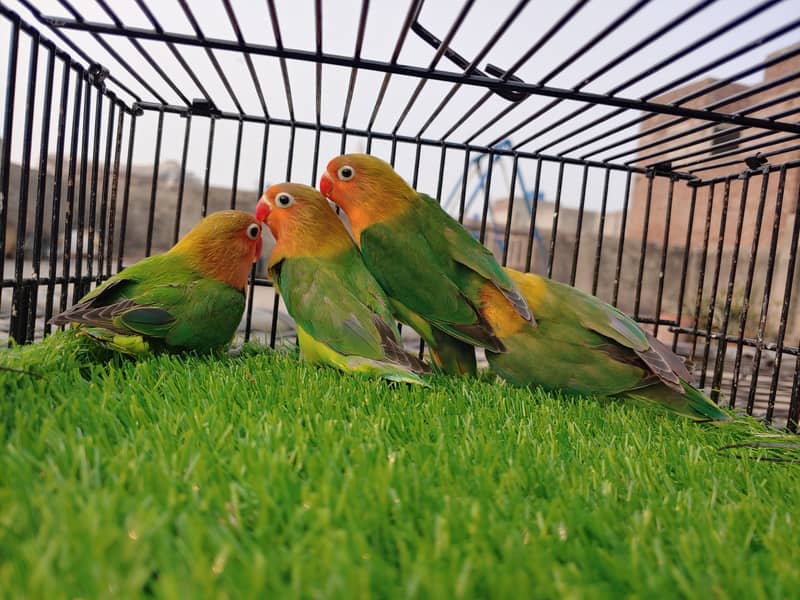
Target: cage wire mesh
(646, 152)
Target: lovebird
(342, 315)
(579, 344)
(191, 298)
(431, 268)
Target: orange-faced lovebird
(582, 345)
(191, 298)
(342, 315)
(431, 268)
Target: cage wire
(646, 152)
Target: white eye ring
(284, 200)
(346, 173)
(253, 231)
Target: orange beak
(262, 210)
(326, 185)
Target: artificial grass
(261, 476)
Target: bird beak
(326, 184)
(262, 210)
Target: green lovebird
(431, 268)
(342, 315)
(191, 298)
(579, 344)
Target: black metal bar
(702, 274)
(200, 37)
(112, 212)
(247, 58)
(72, 169)
(207, 175)
(535, 208)
(486, 198)
(276, 30)
(716, 335)
(643, 249)
(794, 406)
(510, 211)
(101, 243)
(126, 193)
(687, 247)
(69, 43)
(151, 211)
(720, 359)
(467, 79)
(715, 284)
(463, 199)
(77, 290)
(351, 86)
(176, 234)
(554, 230)
(600, 232)
(98, 117)
(178, 56)
(236, 159)
(18, 324)
(8, 127)
(784, 318)
(748, 287)
(739, 151)
(762, 321)
(664, 249)
(729, 163)
(579, 228)
(56, 205)
(621, 243)
(251, 291)
(406, 139)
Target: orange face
(277, 207)
(339, 181)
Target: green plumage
(343, 316)
(585, 346)
(159, 304)
(433, 269)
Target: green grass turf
(261, 476)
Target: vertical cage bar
(440, 179)
(207, 176)
(600, 233)
(643, 249)
(463, 200)
(41, 188)
(251, 291)
(748, 287)
(723, 219)
(621, 243)
(487, 198)
(77, 289)
(126, 193)
(236, 158)
(534, 210)
(19, 298)
(8, 127)
(176, 234)
(784, 318)
(102, 223)
(719, 364)
(701, 276)
(663, 264)
(112, 211)
(70, 206)
(762, 321)
(151, 210)
(579, 227)
(554, 230)
(687, 246)
(794, 404)
(98, 114)
(510, 212)
(55, 216)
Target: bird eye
(284, 200)
(346, 173)
(253, 231)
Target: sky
(340, 22)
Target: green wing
(337, 303)
(163, 301)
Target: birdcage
(646, 152)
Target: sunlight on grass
(259, 475)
